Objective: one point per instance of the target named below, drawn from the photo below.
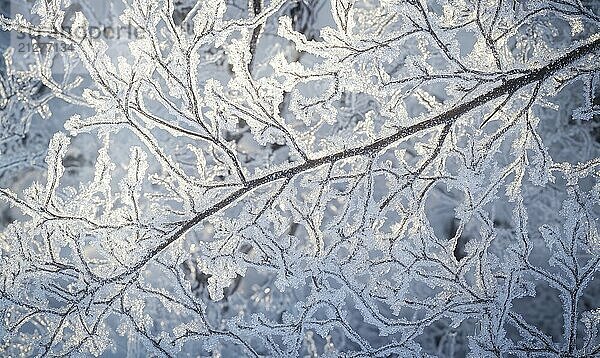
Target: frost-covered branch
(337, 178)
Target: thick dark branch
(508, 87)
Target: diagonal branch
(508, 87)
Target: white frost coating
(313, 178)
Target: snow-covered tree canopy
(358, 178)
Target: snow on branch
(313, 178)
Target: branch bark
(448, 117)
